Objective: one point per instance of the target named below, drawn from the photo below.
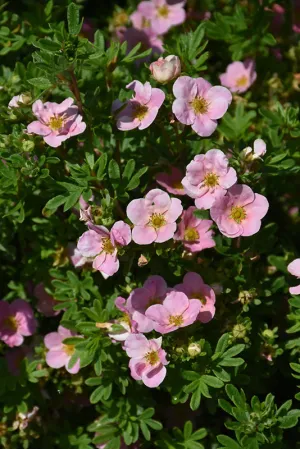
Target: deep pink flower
(207, 177)
(294, 269)
(239, 76)
(59, 354)
(154, 217)
(195, 233)
(176, 311)
(148, 360)
(146, 37)
(142, 109)
(194, 287)
(16, 322)
(100, 246)
(45, 301)
(171, 181)
(56, 122)
(239, 212)
(200, 104)
(159, 15)
(153, 291)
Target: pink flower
(129, 326)
(166, 69)
(56, 122)
(199, 104)
(153, 291)
(194, 232)
(239, 76)
(194, 288)
(142, 109)
(146, 37)
(59, 354)
(171, 181)
(16, 322)
(159, 15)
(259, 150)
(239, 212)
(207, 177)
(45, 302)
(176, 311)
(75, 256)
(101, 246)
(16, 101)
(294, 269)
(154, 217)
(148, 360)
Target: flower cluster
(155, 306)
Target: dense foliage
(149, 224)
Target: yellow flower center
(145, 23)
(157, 221)
(125, 319)
(242, 81)
(11, 323)
(191, 234)
(163, 11)
(140, 111)
(152, 357)
(107, 246)
(238, 214)
(176, 320)
(198, 295)
(200, 105)
(69, 349)
(211, 180)
(56, 123)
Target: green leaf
(199, 434)
(225, 405)
(48, 45)
(228, 442)
(41, 83)
(55, 202)
(101, 162)
(97, 395)
(135, 180)
(195, 399)
(187, 430)
(99, 41)
(128, 170)
(72, 200)
(148, 413)
(114, 172)
(222, 343)
(73, 19)
(235, 350)
(145, 431)
(235, 396)
(231, 362)
(212, 381)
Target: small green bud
(194, 349)
(268, 333)
(239, 331)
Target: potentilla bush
(149, 224)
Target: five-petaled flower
(148, 359)
(141, 110)
(240, 211)
(200, 104)
(56, 122)
(16, 322)
(100, 246)
(239, 76)
(207, 177)
(59, 354)
(154, 217)
(176, 311)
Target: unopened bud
(268, 333)
(166, 69)
(194, 349)
(142, 261)
(239, 331)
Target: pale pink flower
(59, 354)
(166, 69)
(208, 176)
(16, 322)
(259, 150)
(239, 76)
(176, 311)
(294, 269)
(100, 246)
(147, 39)
(200, 104)
(154, 217)
(16, 101)
(45, 301)
(153, 291)
(77, 259)
(56, 122)
(159, 15)
(239, 212)
(195, 233)
(194, 288)
(142, 109)
(129, 326)
(148, 359)
(171, 181)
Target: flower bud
(166, 69)
(194, 349)
(239, 331)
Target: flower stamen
(176, 320)
(157, 220)
(200, 105)
(152, 357)
(211, 180)
(191, 235)
(238, 214)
